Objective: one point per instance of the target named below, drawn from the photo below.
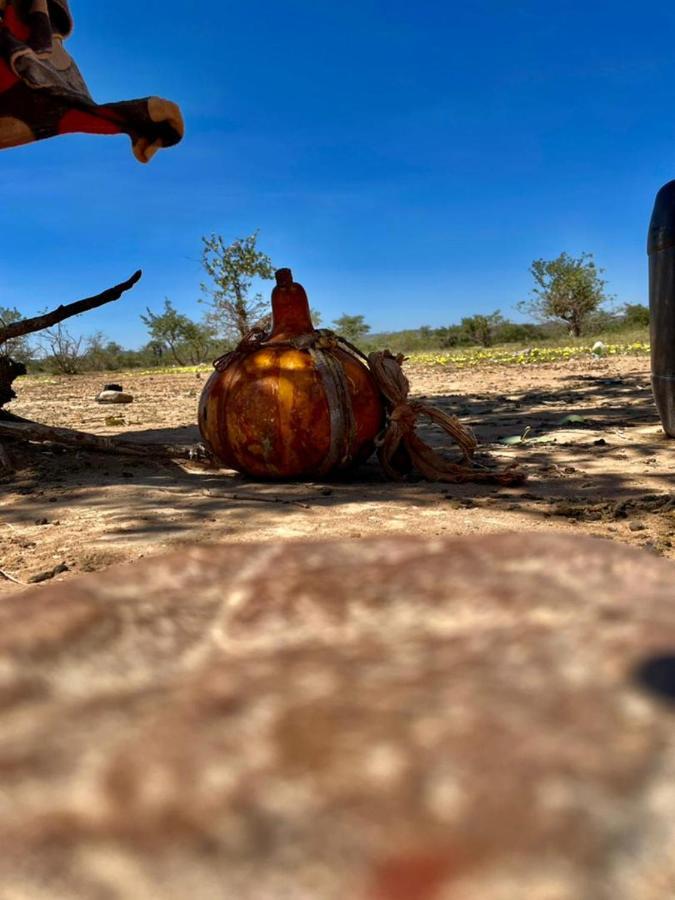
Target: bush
(636, 315)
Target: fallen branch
(258, 498)
(47, 320)
(82, 440)
(11, 578)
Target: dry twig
(11, 578)
(255, 498)
(47, 320)
(33, 431)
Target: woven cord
(401, 430)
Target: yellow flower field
(506, 356)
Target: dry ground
(609, 475)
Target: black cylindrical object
(661, 249)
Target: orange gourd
(298, 402)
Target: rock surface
(467, 719)
(108, 396)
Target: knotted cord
(400, 431)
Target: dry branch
(47, 320)
(82, 440)
(260, 498)
(11, 578)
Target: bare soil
(608, 474)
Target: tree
(177, 334)
(566, 288)
(452, 336)
(102, 355)
(636, 315)
(232, 268)
(481, 329)
(16, 347)
(200, 342)
(518, 332)
(63, 352)
(352, 328)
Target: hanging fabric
(43, 94)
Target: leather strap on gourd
(342, 422)
(401, 430)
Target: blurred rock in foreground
(470, 719)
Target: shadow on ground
(612, 452)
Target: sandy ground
(610, 475)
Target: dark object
(661, 249)
(47, 576)
(9, 372)
(657, 675)
(113, 387)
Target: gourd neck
(290, 308)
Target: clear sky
(407, 160)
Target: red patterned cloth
(43, 94)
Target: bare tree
(63, 351)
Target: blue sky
(407, 160)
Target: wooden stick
(47, 320)
(82, 440)
(11, 578)
(260, 498)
